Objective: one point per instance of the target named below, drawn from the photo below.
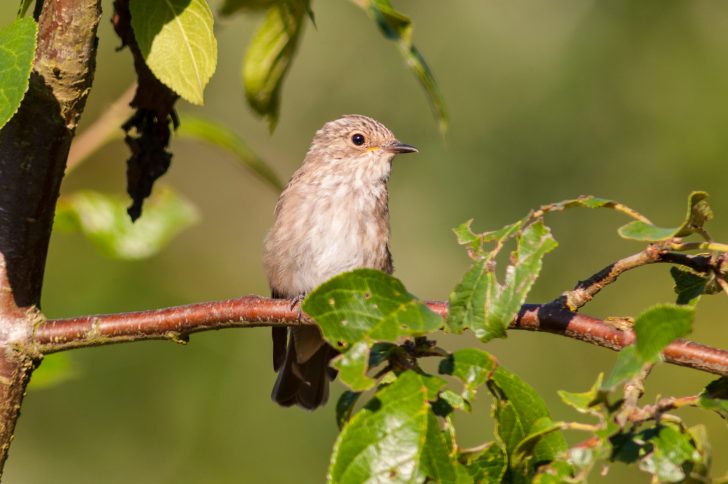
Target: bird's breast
(325, 232)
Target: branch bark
(33, 150)
(177, 323)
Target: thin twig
(176, 323)
(587, 289)
(633, 391)
(105, 128)
(655, 411)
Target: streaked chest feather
(322, 231)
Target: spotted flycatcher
(332, 217)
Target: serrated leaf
(487, 307)
(193, 127)
(55, 370)
(715, 397)
(672, 451)
(519, 411)
(103, 220)
(451, 400)
(488, 465)
(697, 215)
(177, 41)
(383, 442)
(689, 286)
(471, 366)
(437, 461)
(345, 407)
(398, 27)
(17, 50)
(467, 301)
(367, 305)
(654, 329)
(466, 236)
(659, 326)
(588, 201)
(582, 401)
(269, 56)
(353, 365)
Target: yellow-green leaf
(269, 56)
(103, 220)
(177, 41)
(194, 127)
(398, 27)
(17, 49)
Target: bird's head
(356, 145)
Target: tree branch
(34, 145)
(176, 323)
(654, 253)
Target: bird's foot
(296, 303)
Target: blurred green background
(548, 100)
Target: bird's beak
(397, 147)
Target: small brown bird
(332, 217)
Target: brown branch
(587, 289)
(177, 323)
(34, 145)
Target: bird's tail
(304, 373)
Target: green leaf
(55, 370)
(673, 454)
(467, 301)
(487, 307)
(715, 397)
(384, 441)
(230, 7)
(177, 41)
(466, 236)
(557, 472)
(450, 400)
(475, 242)
(626, 366)
(582, 401)
(345, 407)
(103, 219)
(519, 412)
(17, 50)
(637, 230)
(540, 428)
(353, 365)
(24, 6)
(698, 214)
(398, 27)
(471, 366)
(438, 462)
(193, 127)
(659, 326)
(587, 201)
(488, 465)
(367, 305)
(269, 56)
(699, 439)
(689, 285)
(654, 329)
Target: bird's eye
(358, 139)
